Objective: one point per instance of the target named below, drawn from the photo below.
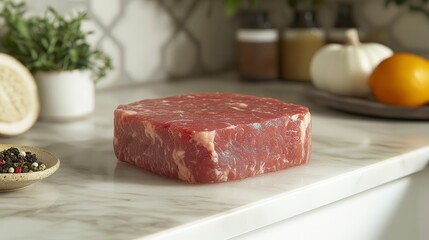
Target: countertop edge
(273, 209)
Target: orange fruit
(401, 80)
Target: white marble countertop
(93, 196)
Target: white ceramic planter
(65, 95)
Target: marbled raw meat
(212, 137)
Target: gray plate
(367, 107)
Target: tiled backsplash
(159, 39)
(152, 40)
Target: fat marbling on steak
(212, 137)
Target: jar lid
(305, 18)
(345, 17)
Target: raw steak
(212, 137)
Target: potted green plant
(55, 50)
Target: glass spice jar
(257, 44)
(299, 43)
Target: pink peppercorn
(18, 170)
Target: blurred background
(150, 40)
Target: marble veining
(92, 196)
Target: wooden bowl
(17, 181)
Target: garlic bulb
(344, 69)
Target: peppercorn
(13, 160)
(22, 153)
(41, 167)
(34, 166)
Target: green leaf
(33, 53)
(21, 27)
(74, 57)
(45, 43)
(50, 42)
(231, 6)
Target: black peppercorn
(13, 160)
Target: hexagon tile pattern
(144, 29)
(155, 39)
(158, 39)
